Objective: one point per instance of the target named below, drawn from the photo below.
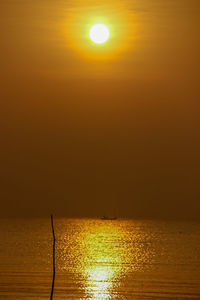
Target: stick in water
(54, 268)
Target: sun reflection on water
(98, 282)
(104, 258)
(100, 254)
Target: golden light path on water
(100, 254)
(108, 258)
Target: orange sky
(114, 130)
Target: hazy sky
(88, 131)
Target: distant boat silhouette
(108, 218)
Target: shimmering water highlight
(100, 259)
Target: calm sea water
(100, 259)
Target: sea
(99, 259)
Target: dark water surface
(100, 259)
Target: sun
(99, 33)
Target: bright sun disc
(99, 33)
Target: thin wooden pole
(54, 267)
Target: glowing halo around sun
(99, 33)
